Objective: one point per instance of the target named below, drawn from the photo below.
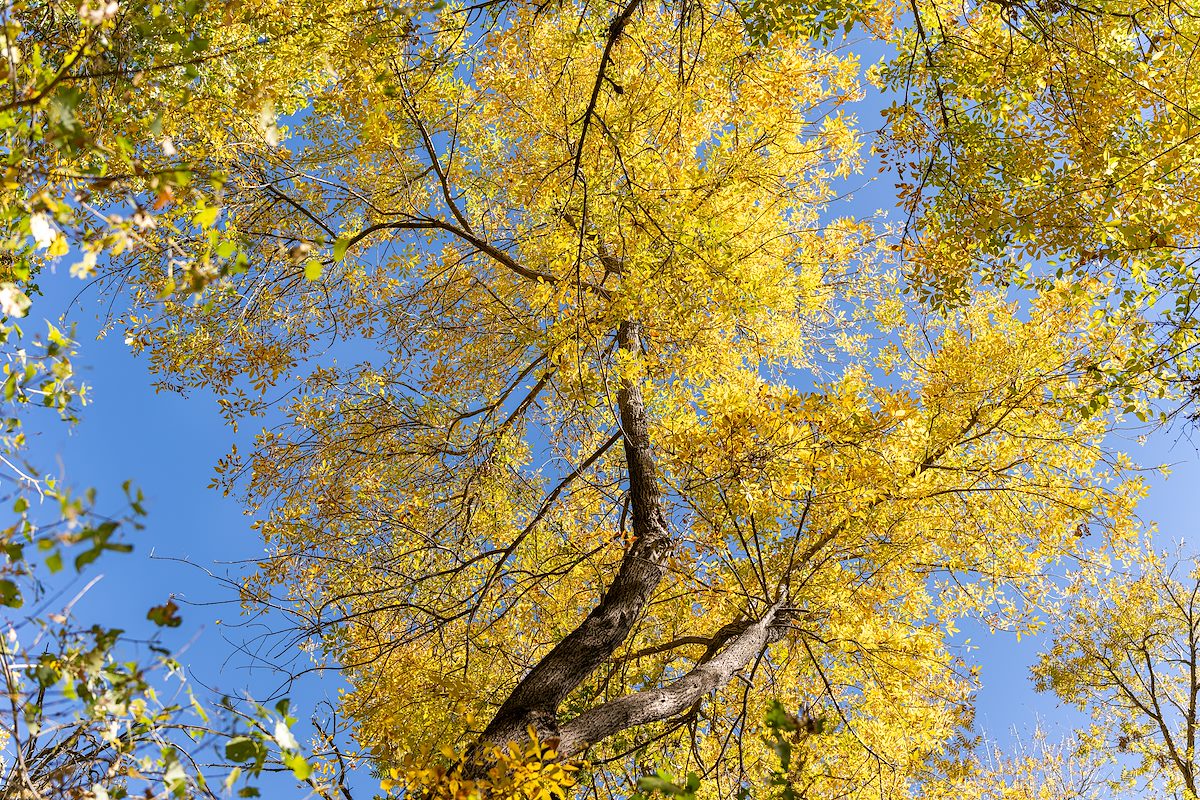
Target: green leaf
(56, 337)
(779, 719)
(298, 765)
(200, 711)
(54, 562)
(62, 108)
(165, 616)
(206, 217)
(241, 749)
(661, 782)
(783, 750)
(13, 551)
(87, 557)
(10, 595)
(312, 269)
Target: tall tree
(99, 103)
(1031, 767)
(597, 422)
(1128, 652)
(1042, 142)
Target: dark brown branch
(615, 29)
(665, 647)
(536, 698)
(711, 643)
(490, 250)
(447, 194)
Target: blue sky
(167, 445)
(195, 541)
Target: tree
(599, 424)
(638, 438)
(91, 96)
(1040, 142)
(1128, 653)
(88, 714)
(89, 160)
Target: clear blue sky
(167, 445)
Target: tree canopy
(599, 430)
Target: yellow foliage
(442, 487)
(512, 773)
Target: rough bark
(536, 698)
(655, 705)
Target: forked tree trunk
(536, 699)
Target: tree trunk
(536, 698)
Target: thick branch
(536, 698)
(481, 245)
(655, 705)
